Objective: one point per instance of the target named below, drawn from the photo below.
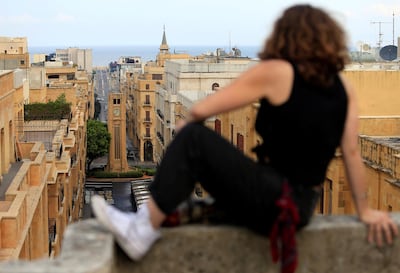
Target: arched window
(215, 86)
(148, 151)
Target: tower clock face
(116, 112)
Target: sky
(84, 23)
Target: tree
(98, 140)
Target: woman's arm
(379, 223)
(270, 79)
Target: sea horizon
(104, 54)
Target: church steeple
(164, 48)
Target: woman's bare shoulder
(278, 78)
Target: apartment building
(141, 104)
(376, 86)
(14, 53)
(51, 79)
(81, 58)
(42, 164)
(190, 80)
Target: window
(240, 142)
(147, 115)
(231, 133)
(147, 101)
(22, 62)
(156, 76)
(147, 86)
(215, 86)
(217, 126)
(116, 101)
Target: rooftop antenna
(380, 31)
(230, 45)
(393, 28)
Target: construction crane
(380, 31)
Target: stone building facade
(14, 53)
(191, 80)
(42, 163)
(376, 87)
(144, 115)
(81, 58)
(116, 124)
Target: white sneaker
(133, 231)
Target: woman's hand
(381, 227)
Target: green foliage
(98, 140)
(52, 110)
(149, 172)
(133, 174)
(130, 174)
(136, 173)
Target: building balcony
(147, 104)
(147, 120)
(160, 114)
(339, 242)
(147, 137)
(160, 138)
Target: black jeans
(243, 189)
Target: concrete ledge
(333, 244)
(87, 248)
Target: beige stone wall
(18, 112)
(24, 232)
(14, 61)
(60, 73)
(379, 129)
(14, 53)
(14, 45)
(241, 123)
(379, 125)
(162, 58)
(46, 194)
(146, 116)
(377, 91)
(7, 124)
(52, 93)
(140, 86)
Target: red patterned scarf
(283, 232)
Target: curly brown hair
(311, 39)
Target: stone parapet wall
(329, 244)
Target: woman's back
(301, 134)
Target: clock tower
(117, 127)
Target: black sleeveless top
(301, 135)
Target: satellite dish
(388, 53)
